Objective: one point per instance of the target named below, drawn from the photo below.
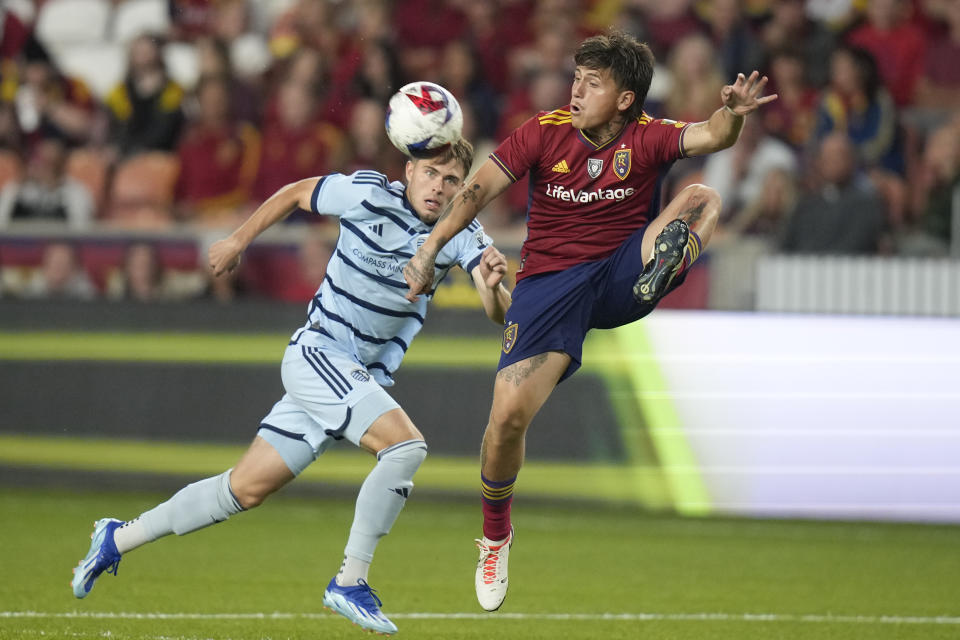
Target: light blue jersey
(360, 308)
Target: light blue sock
(196, 506)
(382, 496)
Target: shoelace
(113, 566)
(369, 594)
(490, 561)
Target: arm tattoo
(520, 371)
(693, 214)
(469, 195)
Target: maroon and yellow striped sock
(497, 497)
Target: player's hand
(743, 96)
(493, 266)
(224, 256)
(419, 275)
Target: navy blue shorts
(553, 311)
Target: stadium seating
(101, 66)
(142, 191)
(70, 22)
(182, 63)
(133, 18)
(10, 167)
(89, 167)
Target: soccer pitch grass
(575, 573)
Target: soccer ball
(423, 118)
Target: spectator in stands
(668, 23)
(696, 79)
(789, 26)
(213, 59)
(368, 144)
(60, 276)
(936, 187)
(47, 193)
(791, 117)
(370, 70)
(897, 46)
(493, 29)
(857, 104)
(550, 50)
(732, 37)
(10, 136)
(190, 19)
(142, 278)
(297, 144)
(218, 158)
(938, 87)
(13, 33)
(461, 76)
(308, 24)
(146, 109)
(740, 172)
(842, 214)
(764, 216)
(422, 46)
(50, 104)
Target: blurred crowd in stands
(134, 124)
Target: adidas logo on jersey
(402, 491)
(561, 167)
(377, 229)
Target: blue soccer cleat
(654, 281)
(103, 556)
(360, 605)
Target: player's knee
(701, 194)
(247, 495)
(250, 499)
(508, 423)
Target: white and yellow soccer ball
(423, 118)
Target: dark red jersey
(585, 200)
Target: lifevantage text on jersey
(570, 195)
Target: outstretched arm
(486, 184)
(723, 128)
(488, 277)
(225, 254)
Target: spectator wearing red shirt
(938, 87)
(218, 157)
(13, 34)
(296, 144)
(897, 45)
(791, 117)
(421, 44)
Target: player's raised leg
(260, 472)
(400, 450)
(674, 240)
(518, 393)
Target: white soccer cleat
(491, 579)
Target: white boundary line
(588, 617)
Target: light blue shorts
(329, 397)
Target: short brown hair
(461, 151)
(630, 63)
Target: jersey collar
(593, 146)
